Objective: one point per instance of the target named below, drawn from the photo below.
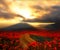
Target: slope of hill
(18, 26)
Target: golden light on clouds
(39, 25)
(9, 22)
(24, 8)
(14, 7)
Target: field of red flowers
(10, 40)
(17, 34)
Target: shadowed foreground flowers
(28, 43)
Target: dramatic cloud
(38, 7)
(33, 11)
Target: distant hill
(55, 26)
(25, 26)
(19, 26)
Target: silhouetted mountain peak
(19, 26)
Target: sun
(25, 11)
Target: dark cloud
(3, 10)
(37, 7)
(54, 16)
(9, 15)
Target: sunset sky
(15, 11)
